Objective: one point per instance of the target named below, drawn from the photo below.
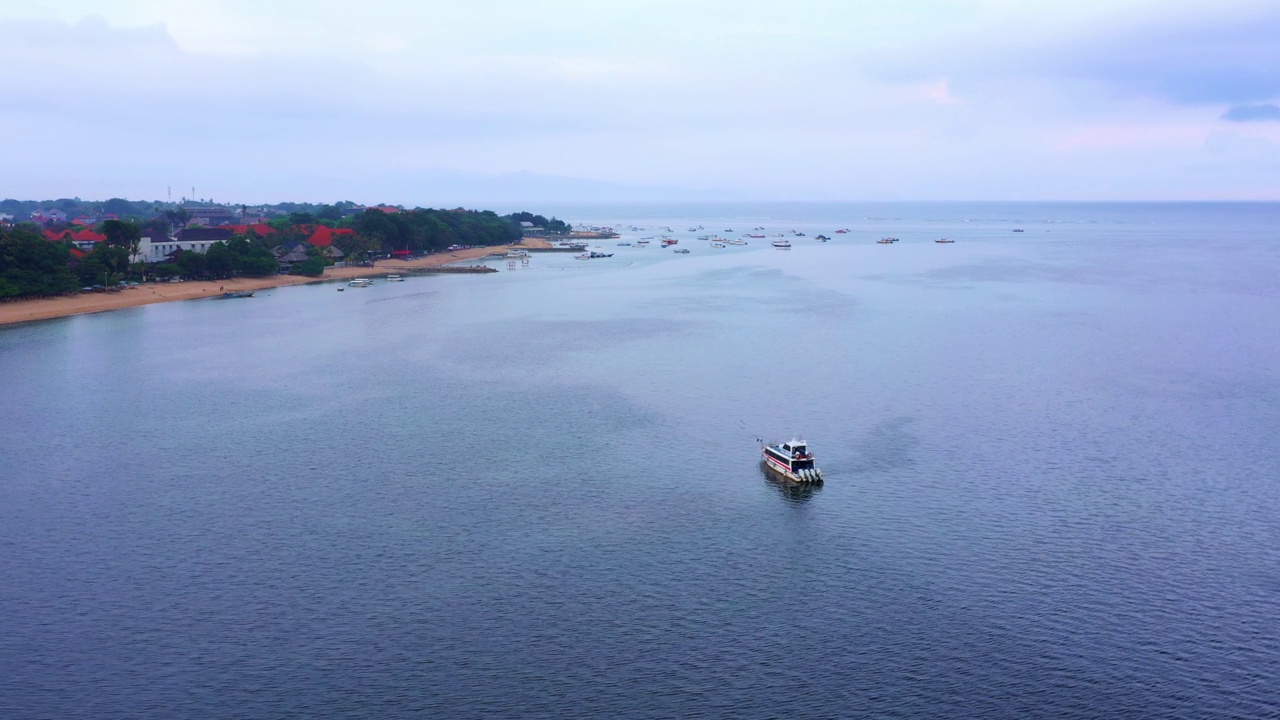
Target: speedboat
(792, 461)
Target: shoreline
(32, 310)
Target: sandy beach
(47, 308)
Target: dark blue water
(1051, 463)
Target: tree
(329, 212)
(31, 266)
(191, 262)
(312, 267)
(220, 261)
(117, 206)
(123, 235)
(258, 262)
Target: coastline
(22, 311)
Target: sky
(432, 103)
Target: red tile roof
(260, 229)
(88, 236)
(323, 235)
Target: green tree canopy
(31, 266)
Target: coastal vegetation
(61, 246)
(31, 267)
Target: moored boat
(360, 282)
(944, 240)
(394, 278)
(784, 244)
(238, 294)
(791, 460)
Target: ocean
(1051, 461)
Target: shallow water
(1051, 461)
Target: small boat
(842, 231)
(592, 255)
(360, 282)
(822, 238)
(669, 242)
(624, 244)
(1017, 230)
(682, 251)
(643, 241)
(791, 460)
(394, 278)
(238, 294)
(754, 236)
(943, 240)
(784, 244)
(717, 245)
(887, 240)
(341, 289)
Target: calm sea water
(1052, 460)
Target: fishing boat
(360, 282)
(791, 460)
(784, 244)
(237, 294)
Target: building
(158, 249)
(211, 216)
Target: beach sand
(46, 308)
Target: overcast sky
(434, 103)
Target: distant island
(59, 247)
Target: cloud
(1253, 113)
(1187, 57)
